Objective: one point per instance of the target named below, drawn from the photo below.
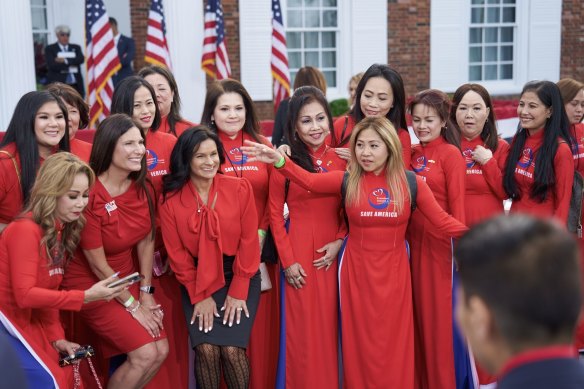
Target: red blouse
(258, 173)
(10, 190)
(158, 150)
(190, 228)
(577, 132)
(81, 149)
(557, 202)
(179, 127)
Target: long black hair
(556, 128)
(397, 113)
(180, 160)
(21, 132)
(174, 115)
(301, 97)
(123, 98)
(104, 144)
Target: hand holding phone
(127, 280)
(80, 353)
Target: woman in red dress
(572, 92)
(309, 331)
(78, 113)
(380, 92)
(38, 128)
(209, 228)
(442, 359)
(539, 171)
(374, 276)
(119, 237)
(473, 115)
(230, 113)
(167, 98)
(34, 251)
(135, 97)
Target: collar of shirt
(539, 354)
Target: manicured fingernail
(238, 322)
(230, 323)
(116, 274)
(224, 321)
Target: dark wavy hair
(489, 133)
(396, 114)
(123, 98)
(218, 89)
(557, 127)
(174, 114)
(104, 144)
(182, 154)
(21, 132)
(73, 98)
(438, 101)
(301, 97)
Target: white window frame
(318, 30)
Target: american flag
(215, 61)
(156, 45)
(102, 59)
(279, 61)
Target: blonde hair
(356, 78)
(54, 179)
(395, 174)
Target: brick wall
(139, 17)
(408, 41)
(572, 55)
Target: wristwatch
(147, 289)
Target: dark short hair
(123, 98)
(439, 101)
(185, 148)
(527, 271)
(489, 133)
(21, 132)
(71, 97)
(218, 89)
(113, 21)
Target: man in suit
(519, 299)
(64, 60)
(126, 52)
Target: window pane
(293, 40)
(475, 73)
(509, 15)
(39, 19)
(41, 3)
(311, 59)
(311, 40)
(493, 1)
(493, 15)
(491, 35)
(508, 1)
(475, 54)
(329, 39)
(506, 53)
(294, 19)
(311, 3)
(506, 72)
(329, 59)
(40, 38)
(329, 3)
(295, 60)
(476, 35)
(506, 34)
(292, 77)
(329, 18)
(477, 15)
(491, 53)
(311, 18)
(478, 1)
(490, 72)
(331, 79)
(294, 3)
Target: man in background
(126, 52)
(64, 61)
(519, 300)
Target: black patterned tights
(211, 359)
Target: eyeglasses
(64, 34)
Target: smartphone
(129, 280)
(81, 353)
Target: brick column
(572, 64)
(139, 17)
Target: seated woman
(205, 219)
(34, 251)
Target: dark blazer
(58, 71)
(126, 52)
(278, 135)
(557, 373)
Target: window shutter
(544, 36)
